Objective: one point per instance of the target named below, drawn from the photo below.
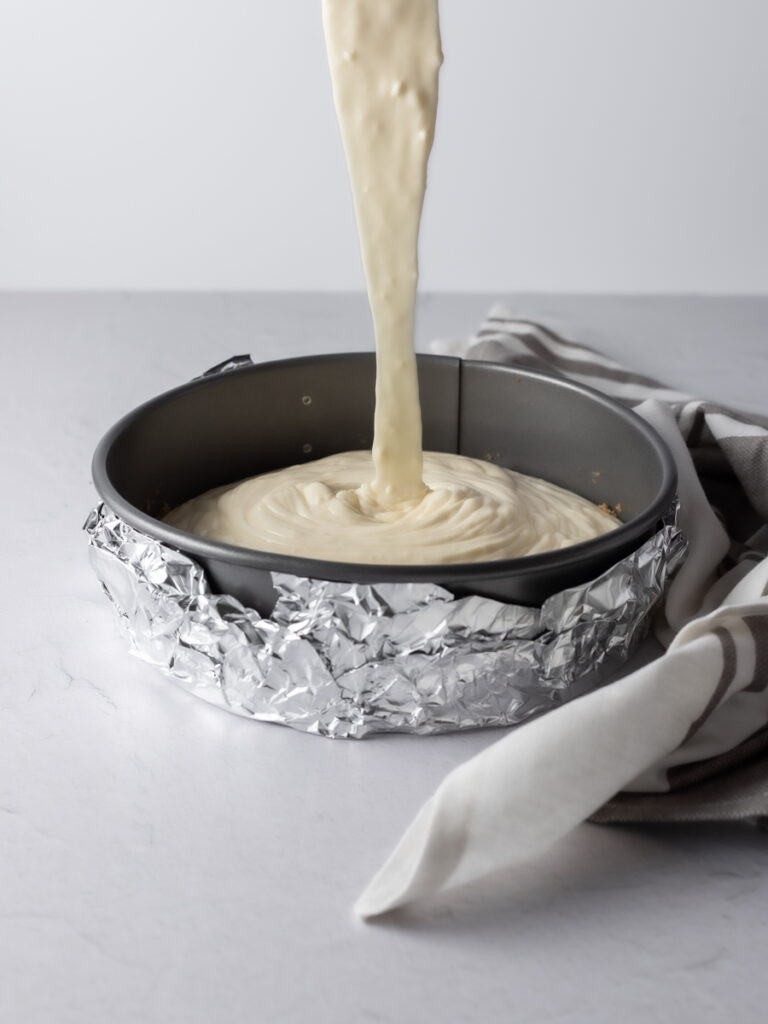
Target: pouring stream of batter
(385, 57)
(404, 507)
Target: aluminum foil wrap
(347, 660)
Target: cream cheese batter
(394, 505)
(471, 511)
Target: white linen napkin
(683, 738)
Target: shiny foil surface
(347, 660)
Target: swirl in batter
(470, 511)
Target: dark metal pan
(222, 428)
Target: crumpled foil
(347, 660)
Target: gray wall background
(582, 145)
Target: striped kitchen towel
(684, 738)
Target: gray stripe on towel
(758, 627)
(581, 367)
(730, 664)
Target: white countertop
(163, 861)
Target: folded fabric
(684, 738)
